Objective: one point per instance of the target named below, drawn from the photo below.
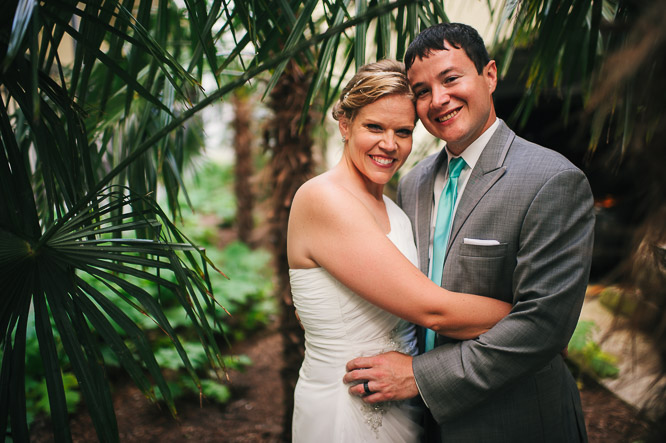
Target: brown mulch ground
(256, 412)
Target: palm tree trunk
(291, 166)
(243, 167)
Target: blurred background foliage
(101, 128)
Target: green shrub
(587, 353)
(618, 301)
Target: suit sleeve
(549, 282)
(398, 196)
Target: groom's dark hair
(458, 35)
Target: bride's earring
(344, 139)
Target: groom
(522, 232)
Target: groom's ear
(490, 75)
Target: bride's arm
(330, 228)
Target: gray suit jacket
(511, 384)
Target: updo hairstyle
(372, 82)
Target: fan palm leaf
(60, 221)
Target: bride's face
(379, 139)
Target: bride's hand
(389, 377)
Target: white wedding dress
(339, 326)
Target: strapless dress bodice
(340, 325)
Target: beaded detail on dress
(374, 413)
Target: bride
(352, 266)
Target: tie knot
(455, 166)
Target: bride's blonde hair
(372, 82)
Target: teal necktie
(447, 201)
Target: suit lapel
(425, 188)
(487, 171)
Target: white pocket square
(479, 242)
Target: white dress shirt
(471, 156)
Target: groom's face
(453, 100)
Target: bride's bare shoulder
(324, 202)
(321, 192)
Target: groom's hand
(389, 376)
